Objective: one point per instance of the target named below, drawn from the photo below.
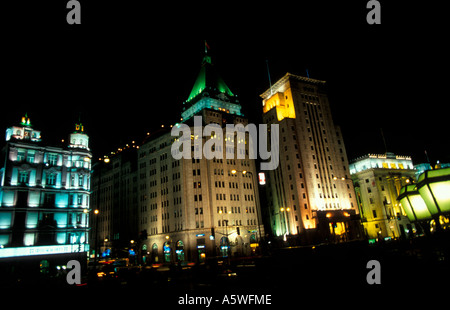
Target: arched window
(180, 251)
(155, 252)
(167, 251)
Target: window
(50, 179)
(30, 157)
(21, 155)
(374, 213)
(52, 159)
(24, 176)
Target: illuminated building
(44, 195)
(310, 194)
(378, 179)
(195, 208)
(114, 194)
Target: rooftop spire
(206, 48)
(210, 91)
(208, 79)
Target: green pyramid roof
(209, 80)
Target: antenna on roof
(268, 73)
(207, 48)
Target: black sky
(127, 69)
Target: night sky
(126, 70)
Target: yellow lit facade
(282, 102)
(311, 189)
(378, 180)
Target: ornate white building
(378, 179)
(44, 194)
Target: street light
(429, 198)
(286, 221)
(434, 187)
(96, 212)
(413, 204)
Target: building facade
(44, 194)
(378, 179)
(310, 195)
(114, 195)
(193, 208)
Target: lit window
(52, 159)
(24, 176)
(50, 179)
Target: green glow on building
(208, 79)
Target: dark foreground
(324, 275)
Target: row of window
(220, 196)
(50, 159)
(235, 222)
(50, 178)
(221, 184)
(223, 210)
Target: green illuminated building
(44, 195)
